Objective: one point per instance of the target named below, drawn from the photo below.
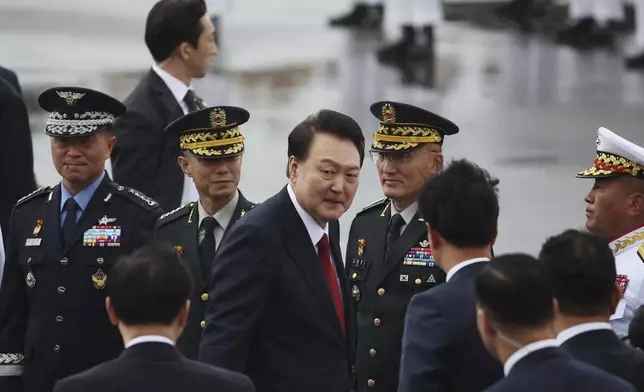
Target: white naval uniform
(602, 11)
(630, 277)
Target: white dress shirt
(462, 265)
(573, 331)
(407, 214)
(223, 218)
(525, 351)
(149, 339)
(179, 90)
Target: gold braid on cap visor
(606, 164)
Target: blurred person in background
(181, 39)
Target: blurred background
(528, 108)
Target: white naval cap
(615, 156)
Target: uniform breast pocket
(31, 265)
(421, 278)
(358, 273)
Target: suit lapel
(190, 237)
(52, 233)
(414, 232)
(165, 97)
(92, 213)
(303, 254)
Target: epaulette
(174, 214)
(32, 195)
(640, 251)
(137, 197)
(378, 203)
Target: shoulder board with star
(174, 214)
(640, 251)
(382, 203)
(136, 197)
(33, 195)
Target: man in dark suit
(441, 348)
(197, 229)
(180, 37)
(280, 309)
(149, 299)
(388, 255)
(63, 243)
(16, 151)
(515, 313)
(10, 77)
(582, 271)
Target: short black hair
(171, 23)
(516, 291)
(582, 269)
(324, 121)
(150, 286)
(460, 202)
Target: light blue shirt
(82, 198)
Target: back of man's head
(149, 287)
(582, 269)
(460, 203)
(515, 291)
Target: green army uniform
(211, 133)
(384, 280)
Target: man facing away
(180, 37)
(149, 299)
(441, 347)
(515, 313)
(197, 228)
(615, 211)
(280, 309)
(582, 271)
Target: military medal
(38, 227)
(355, 293)
(31, 280)
(424, 243)
(361, 244)
(105, 220)
(99, 279)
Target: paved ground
(528, 110)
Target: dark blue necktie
(70, 220)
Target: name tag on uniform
(33, 242)
(102, 236)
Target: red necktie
(324, 255)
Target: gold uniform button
(418, 281)
(371, 383)
(354, 276)
(204, 297)
(381, 292)
(203, 324)
(372, 352)
(376, 322)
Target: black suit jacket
(552, 370)
(16, 152)
(52, 299)
(603, 349)
(11, 77)
(271, 315)
(442, 348)
(155, 367)
(145, 157)
(180, 228)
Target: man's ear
(110, 312)
(184, 164)
(293, 165)
(435, 240)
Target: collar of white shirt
(149, 339)
(312, 227)
(571, 332)
(223, 216)
(525, 351)
(462, 265)
(407, 214)
(176, 86)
